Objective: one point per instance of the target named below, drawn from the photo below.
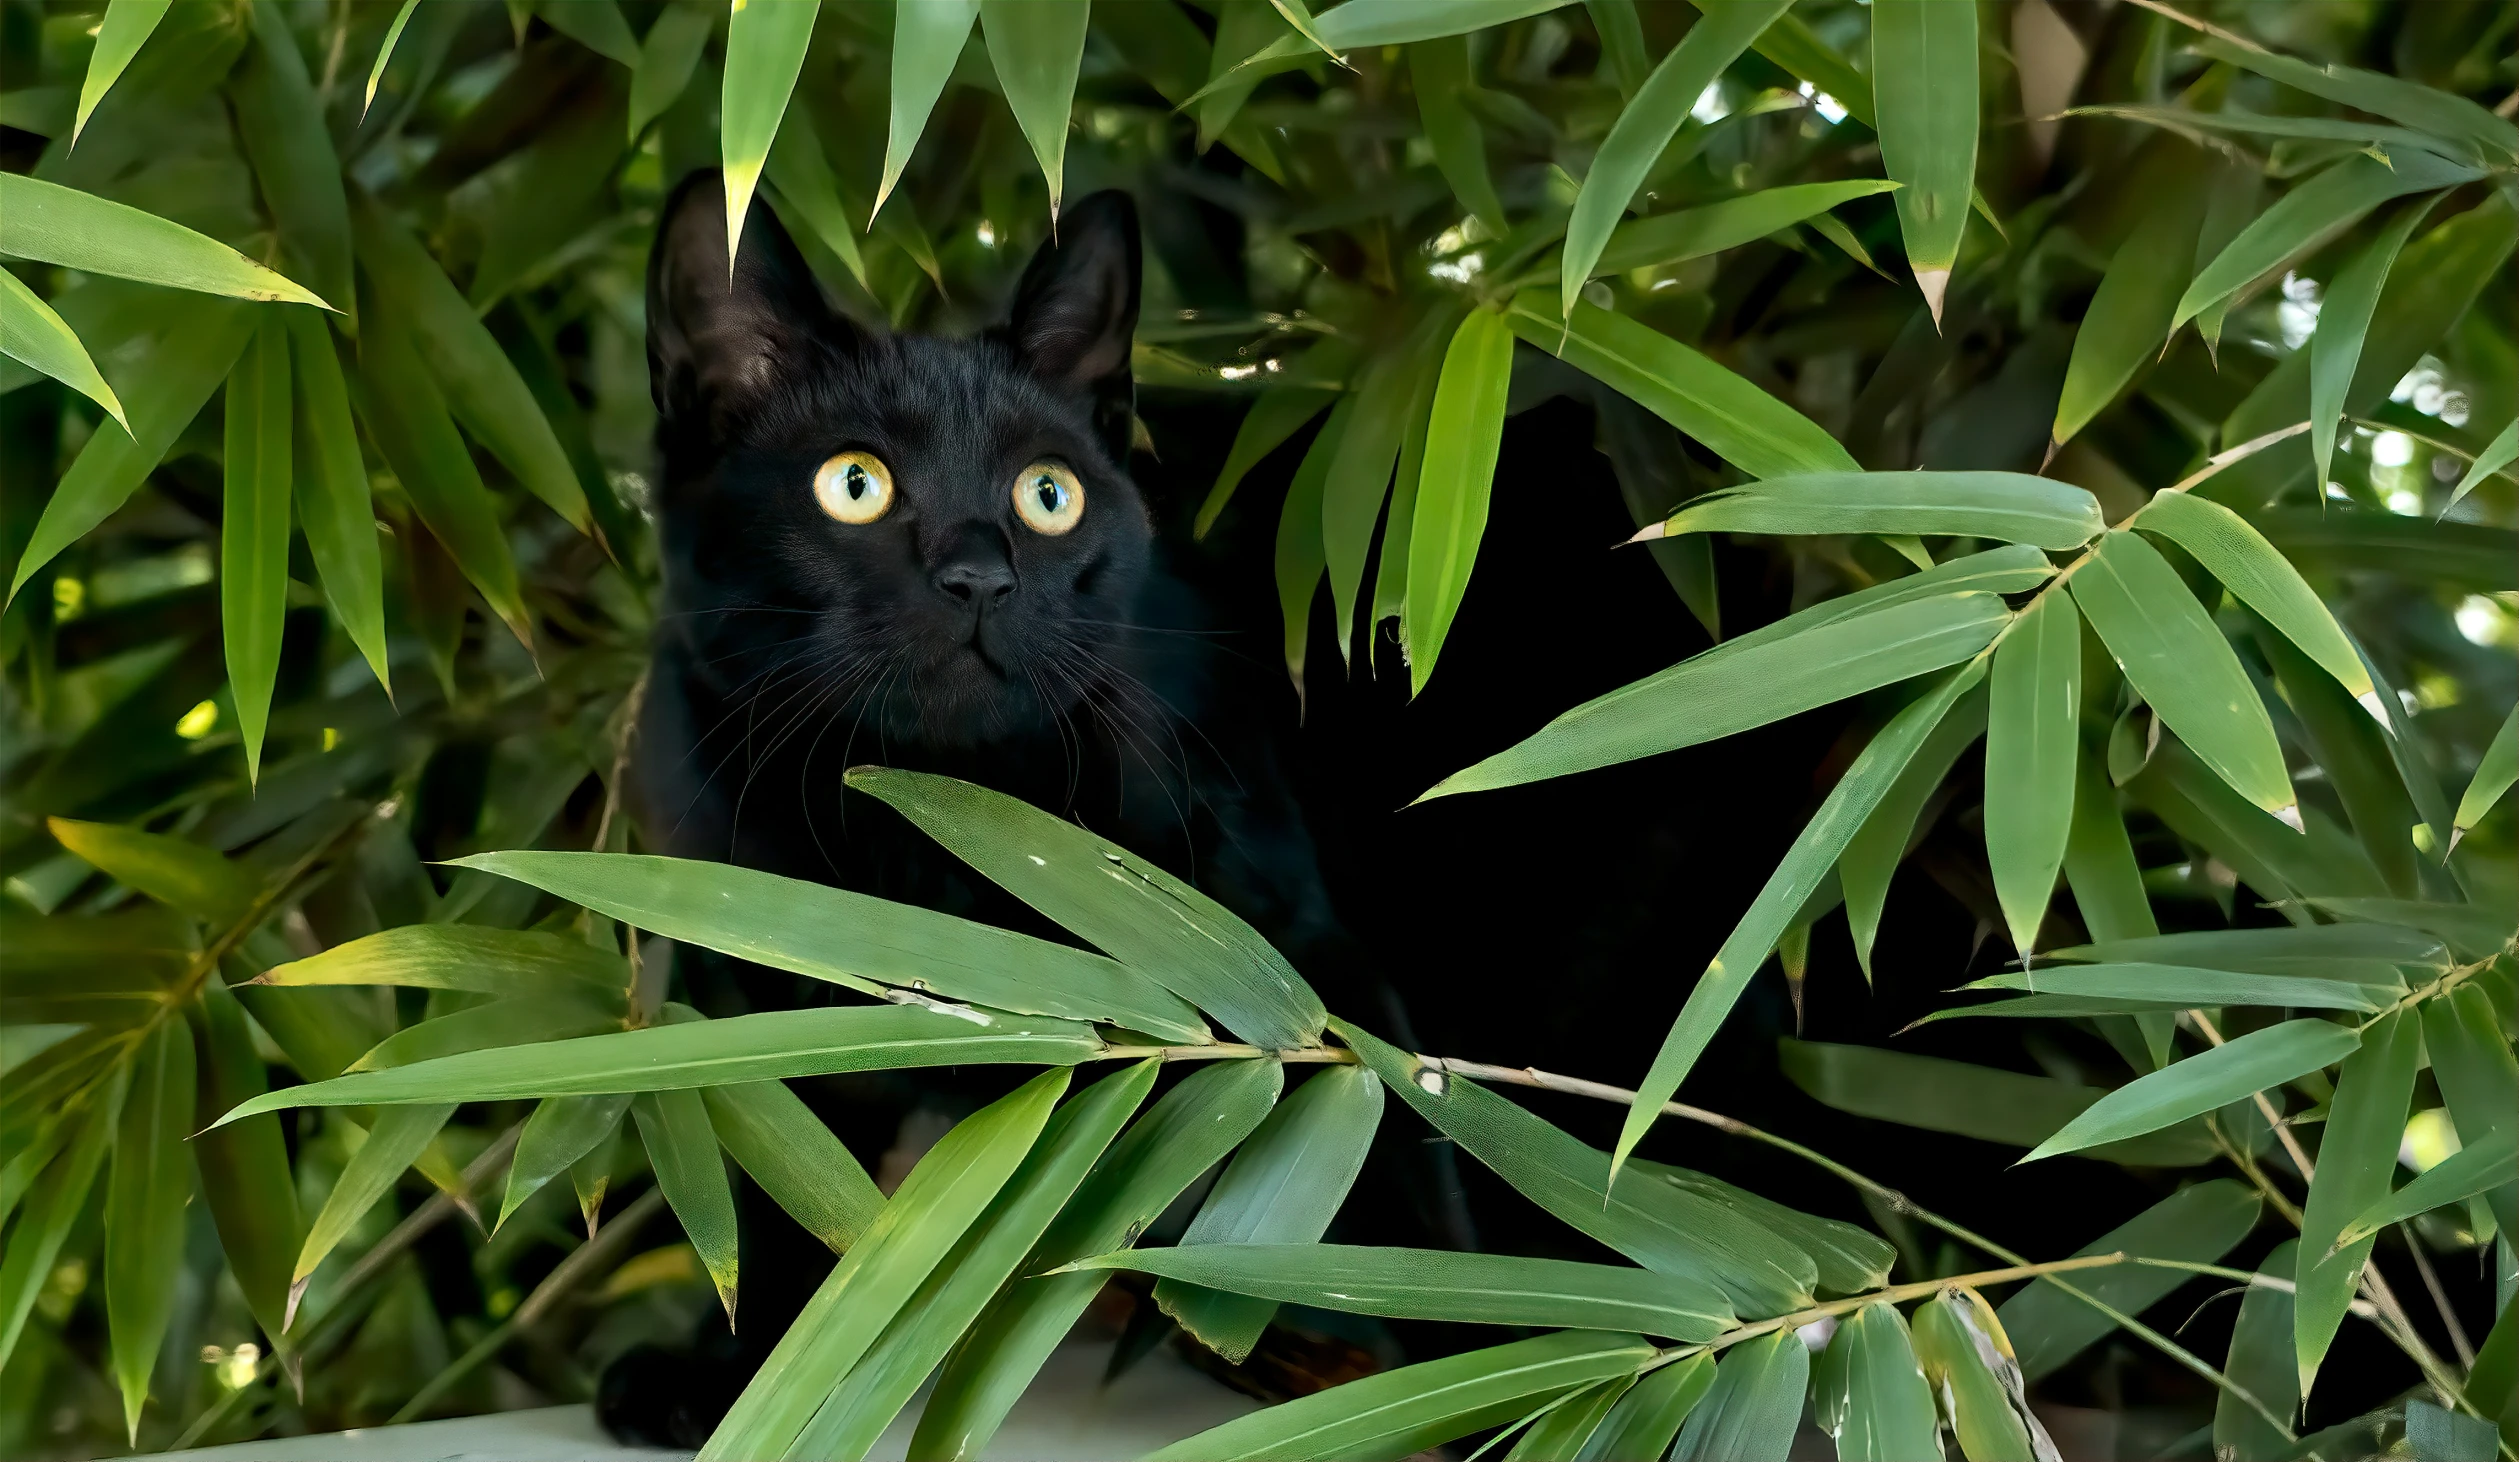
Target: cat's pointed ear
(719, 341)
(1075, 314)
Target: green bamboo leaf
(2494, 773)
(1753, 1407)
(1623, 56)
(1463, 432)
(1036, 48)
(2343, 320)
(1402, 1412)
(1359, 477)
(254, 530)
(682, 1148)
(1692, 233)
(2129, 316)
(2168, 648)
(1743, 684)
(1282, 1188)
(2477, 1168)
(462, 957)
(2257, 1061)
(2265, 581)
(245, 1180)
(1648, 1417)
(2198, 1225)
(385, 53)
(1276, 414)
(2433, 110)
(144, 1209)
(863, 1405)
(408, 419)
(2236, 121)
(280, 123)
(58, 225)
(1568, 1422)
(1645, 127)
(2034, 708)
(2497, 455)
(784, 1146)
(1967, 1361)
(1849, 1259)
(1869, 1392)
(850, 939)
(1991, 1105)
(1438, 70)
(1300, 557)
(2184, 987)
(1795, 878)
(174, 871)
(1667, 1229)
(591, 1177)
(479, 383)
(125, 29)
(560, 1131)
(2339, 735)
(595, 24)
(786, 1043)
(1433, 1284)
(927, 39)
(2273, 857)
(1188, 1132)
(31, 334)
(332, 492)
(1924, 72)
(1137, 913)
(942, 1197)
(1737, 421)
(2260, 1359)
(393, 1144)
(765, 51)
(189, 358)
(2472, 931)
(2099, 863)
(804, 180)
(515, 1020)
(2478, 1077)
(1243, 29)
(2356, 1153)
(52, 1205)
(2315, 211)
(2008, 506)
(667, 57)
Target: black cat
(927, 553)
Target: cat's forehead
(934, 396)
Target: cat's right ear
(718, 343)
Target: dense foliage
(2131, 390)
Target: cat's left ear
(1075, 314)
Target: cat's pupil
(1047, 488)
(856, 481)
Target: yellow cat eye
(1048, 498)
(854, 487)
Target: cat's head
(942, 531)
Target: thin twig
(2440, 1298)
(1896, 1293)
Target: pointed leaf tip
(1935, 283)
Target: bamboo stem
(1896, 1293)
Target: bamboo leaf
(2034, 707)
(595, 24)
(58, 225)
(2129, 316)
(1282, 1188)
(1139, 914)
(2478, 1076)
(2006, 506)
(174, 871)
(2317, 210)
(927, 39)
(2184, 987)
(1645, 127)
(2342, 737)
(2260, 1359)
(2198, 1224)
(144, 1209)
(560, 1131)
(462, 957)
(1743, 684)
(1648, 1417)
(667, 56)
(31, 334)
(2343, 320)
(1300, 557)
(119, 37)
(804, 180)
(784, 1146)
(515, 1020)
(942, 1197)
(1567, 1423)
(1402, 1412)
(1665, 1228)
(2265, 581)
(2494, 772)
(850, 939)
(2257, 1061)
(1753, 1407)
(1967, 1361)
(1187, 1132)
(1438, 70)
(1849, 1259)
(2356, 1153)
(1692, 233)
(2497, 455)
(1275, 415)
(385, 53)
(254, 530)
(280, 123)
(1036, 48)
(1434, 1284)
(1991, 1105)
(765, 51)
(2168, 648)
(1737, 421)
(52, 1206)
(333, 505)
(1463, 433)
(2477, 1168)
(863, 1405)
(1244, 28)
(1924, 75)
(245, 1179)
(2442, 113)
(682, 1148)
(1869, 1393)
(392, 1145)
(1359, 476)
(773, 1044)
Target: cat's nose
(983, 584)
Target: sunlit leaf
(765, 50)
(2316, 210)
(1924, 77)
(385, 54)
(144, 1208)
(927, 39)
(119, 37)
(461, 957)
(2005, 506)
(32, 334)
(2255, 1062)
(40, 220)
(280, 123)
(172, 870)
(1036, 47)
(254, 529)
(1449, 519)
